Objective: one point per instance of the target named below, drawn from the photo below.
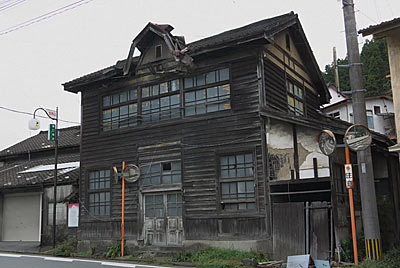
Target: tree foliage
(374, 57)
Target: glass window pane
(165, 102)
(145, 92)
(107, 114)
(115, 99)
(123, 110)
(249, 158)
(241, 187)
(171, 198)
(133, 94)
(210, 77)
(107, 101)
(164, 87)
(123, 96)
(224, 90)
(154, 90)
(200, 80)
(240, 172)
(212, 92)
(224, 74)
(133, 108)
(188, 82)
(190, 96)
(225, 189)
(175, 99)
(200, 94)
(115, 112)
(175, 85)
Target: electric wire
(27, 113)
(11, 5)
(44, 16)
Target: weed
(218, 258)
(114, 251)
(65, 249)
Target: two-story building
(379, 108)
(224, 132)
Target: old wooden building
(224, 132)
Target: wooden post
(353, 223)
(123, 210)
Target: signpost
(357, 138)
(130, 173)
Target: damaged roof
(28, 173)
(264, 29)
(68, 137)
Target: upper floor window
(287, 41)
(203, 93)
(158, 51)
(99, 192)
(335, 115)
(237, 182)
(295, 98)
(370, 119)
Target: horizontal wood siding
(276, 96)
(197, 141)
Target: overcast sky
(52, 44)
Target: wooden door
(163, 219)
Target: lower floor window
(238, 195)
(155, 205)
(99, 203)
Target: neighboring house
(380, 113)
(391, 31)
(224, 132)
(26, 187)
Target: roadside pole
(364, 159)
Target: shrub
(114, 251)
(65, 249)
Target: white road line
(118, 264)
(10, 255)
(57, 259)
(83, 260)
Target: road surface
(36, 261)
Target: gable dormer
(156, 44)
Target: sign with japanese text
(348, 172)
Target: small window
(158, 51)
(370, 119)
(295, 95)
(377, 110)
(287, 37)
(335, 115)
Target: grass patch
(218, 258)
(65, 249)
(390, 260)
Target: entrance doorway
(163, 224)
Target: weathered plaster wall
(281, 151)
(308, 150)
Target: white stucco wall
(281, 151)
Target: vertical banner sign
(73, 215)
(348, 171)
(52, 132)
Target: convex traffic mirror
(358, 137)
(327, 142)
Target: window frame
(162, 184)
(96, 191)
(166, 114)
(293, 109)
(220, 181)
(206, 86)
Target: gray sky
(35, 60)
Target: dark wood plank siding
(199, 142)
(276, 96)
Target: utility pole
(364, 159)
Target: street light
(34, 124)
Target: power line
(27, 113)
(45, 16)
(11, 5)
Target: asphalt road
(35, 261)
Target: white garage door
(21, 217)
